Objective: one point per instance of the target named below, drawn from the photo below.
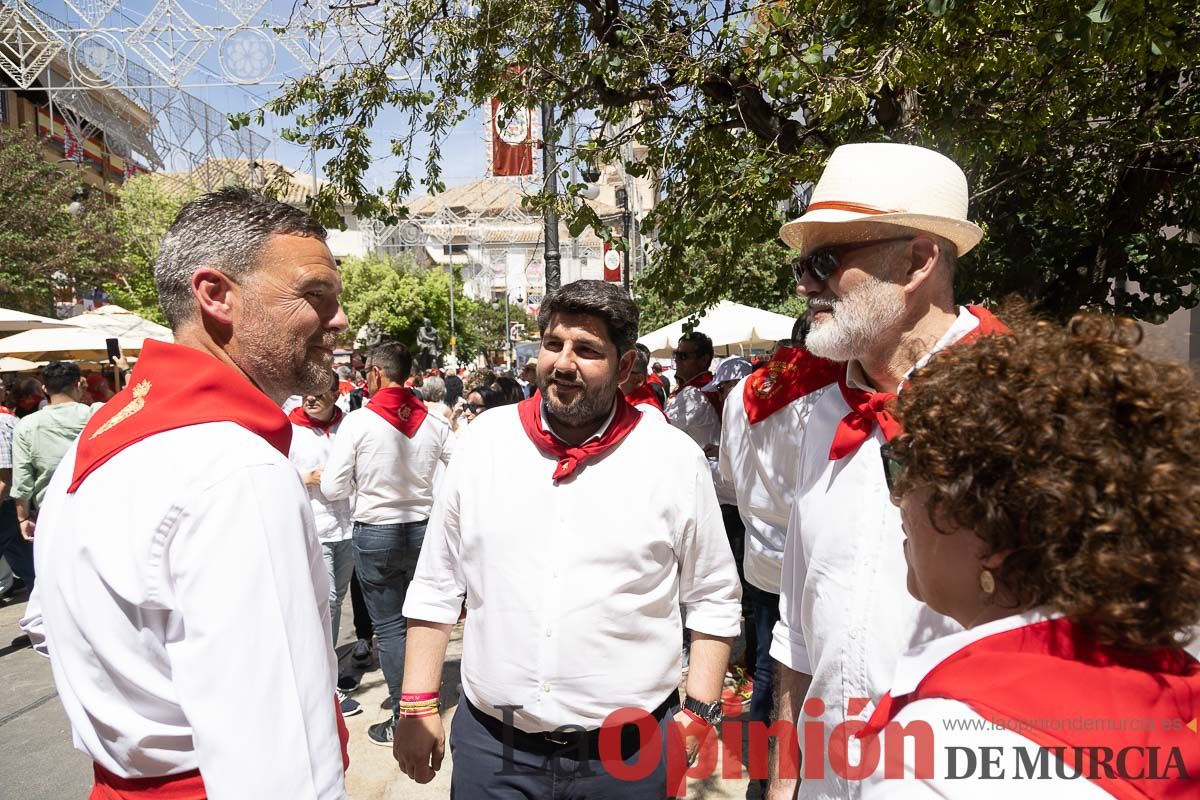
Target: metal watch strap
(709, 712)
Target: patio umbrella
(10, 364)
(13, 321)
(729, 325)
(117, 322)
(66, 344)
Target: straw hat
(869, 188)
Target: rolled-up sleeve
(438, 586)
(787, 640)
(709, 589)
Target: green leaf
(1101, 13)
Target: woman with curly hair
(1049, 486)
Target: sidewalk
(38, 761)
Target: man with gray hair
(188, 625)
(877, 247)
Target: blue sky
(463, 150)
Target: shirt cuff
(429, 606)
(716, 618)
(788, 648)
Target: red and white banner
(612, 263)
(511, 137)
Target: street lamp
(550, 172)
(622, 197)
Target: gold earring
(987, 582)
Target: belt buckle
(549, 736)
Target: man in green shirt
(41, 439)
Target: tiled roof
(488, 197)
(289, 186)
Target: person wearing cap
(728, 373)
(877, 246)
(693, 410)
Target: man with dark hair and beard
(188, 624)
(575, 531)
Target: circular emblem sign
(612, 260)
(512, 125)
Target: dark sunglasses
(823, 262)
(681, 356)
(893, 469)
(476, 409)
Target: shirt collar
(920, 661)
(963, 324)
(599, 431)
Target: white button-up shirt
(389, 476)
(574, 590)
(760, 463)
(310, 451)
(957, 725)
(691, 412)
(183, 600)
(846, 615)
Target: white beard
(858, 321)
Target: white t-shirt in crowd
(760, 462)
(389, 476)
(310, 451)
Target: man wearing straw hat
(878, 246)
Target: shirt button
(546, 688)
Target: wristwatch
(711, 713)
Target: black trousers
(496, 762)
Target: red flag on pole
(612, 263)
(512, 141)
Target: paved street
(37, 761)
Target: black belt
(586, 742)
(401, 525)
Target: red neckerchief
(570, 459)
(656, 378)
(1053, 670)
(700, 381)
(644, 394)
(403, 410)
(6, 410)
(792, 372)
(171, 387)
(868, 409)
(300, 417)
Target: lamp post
(622, 198)
(550, 172)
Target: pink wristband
(416, 697)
